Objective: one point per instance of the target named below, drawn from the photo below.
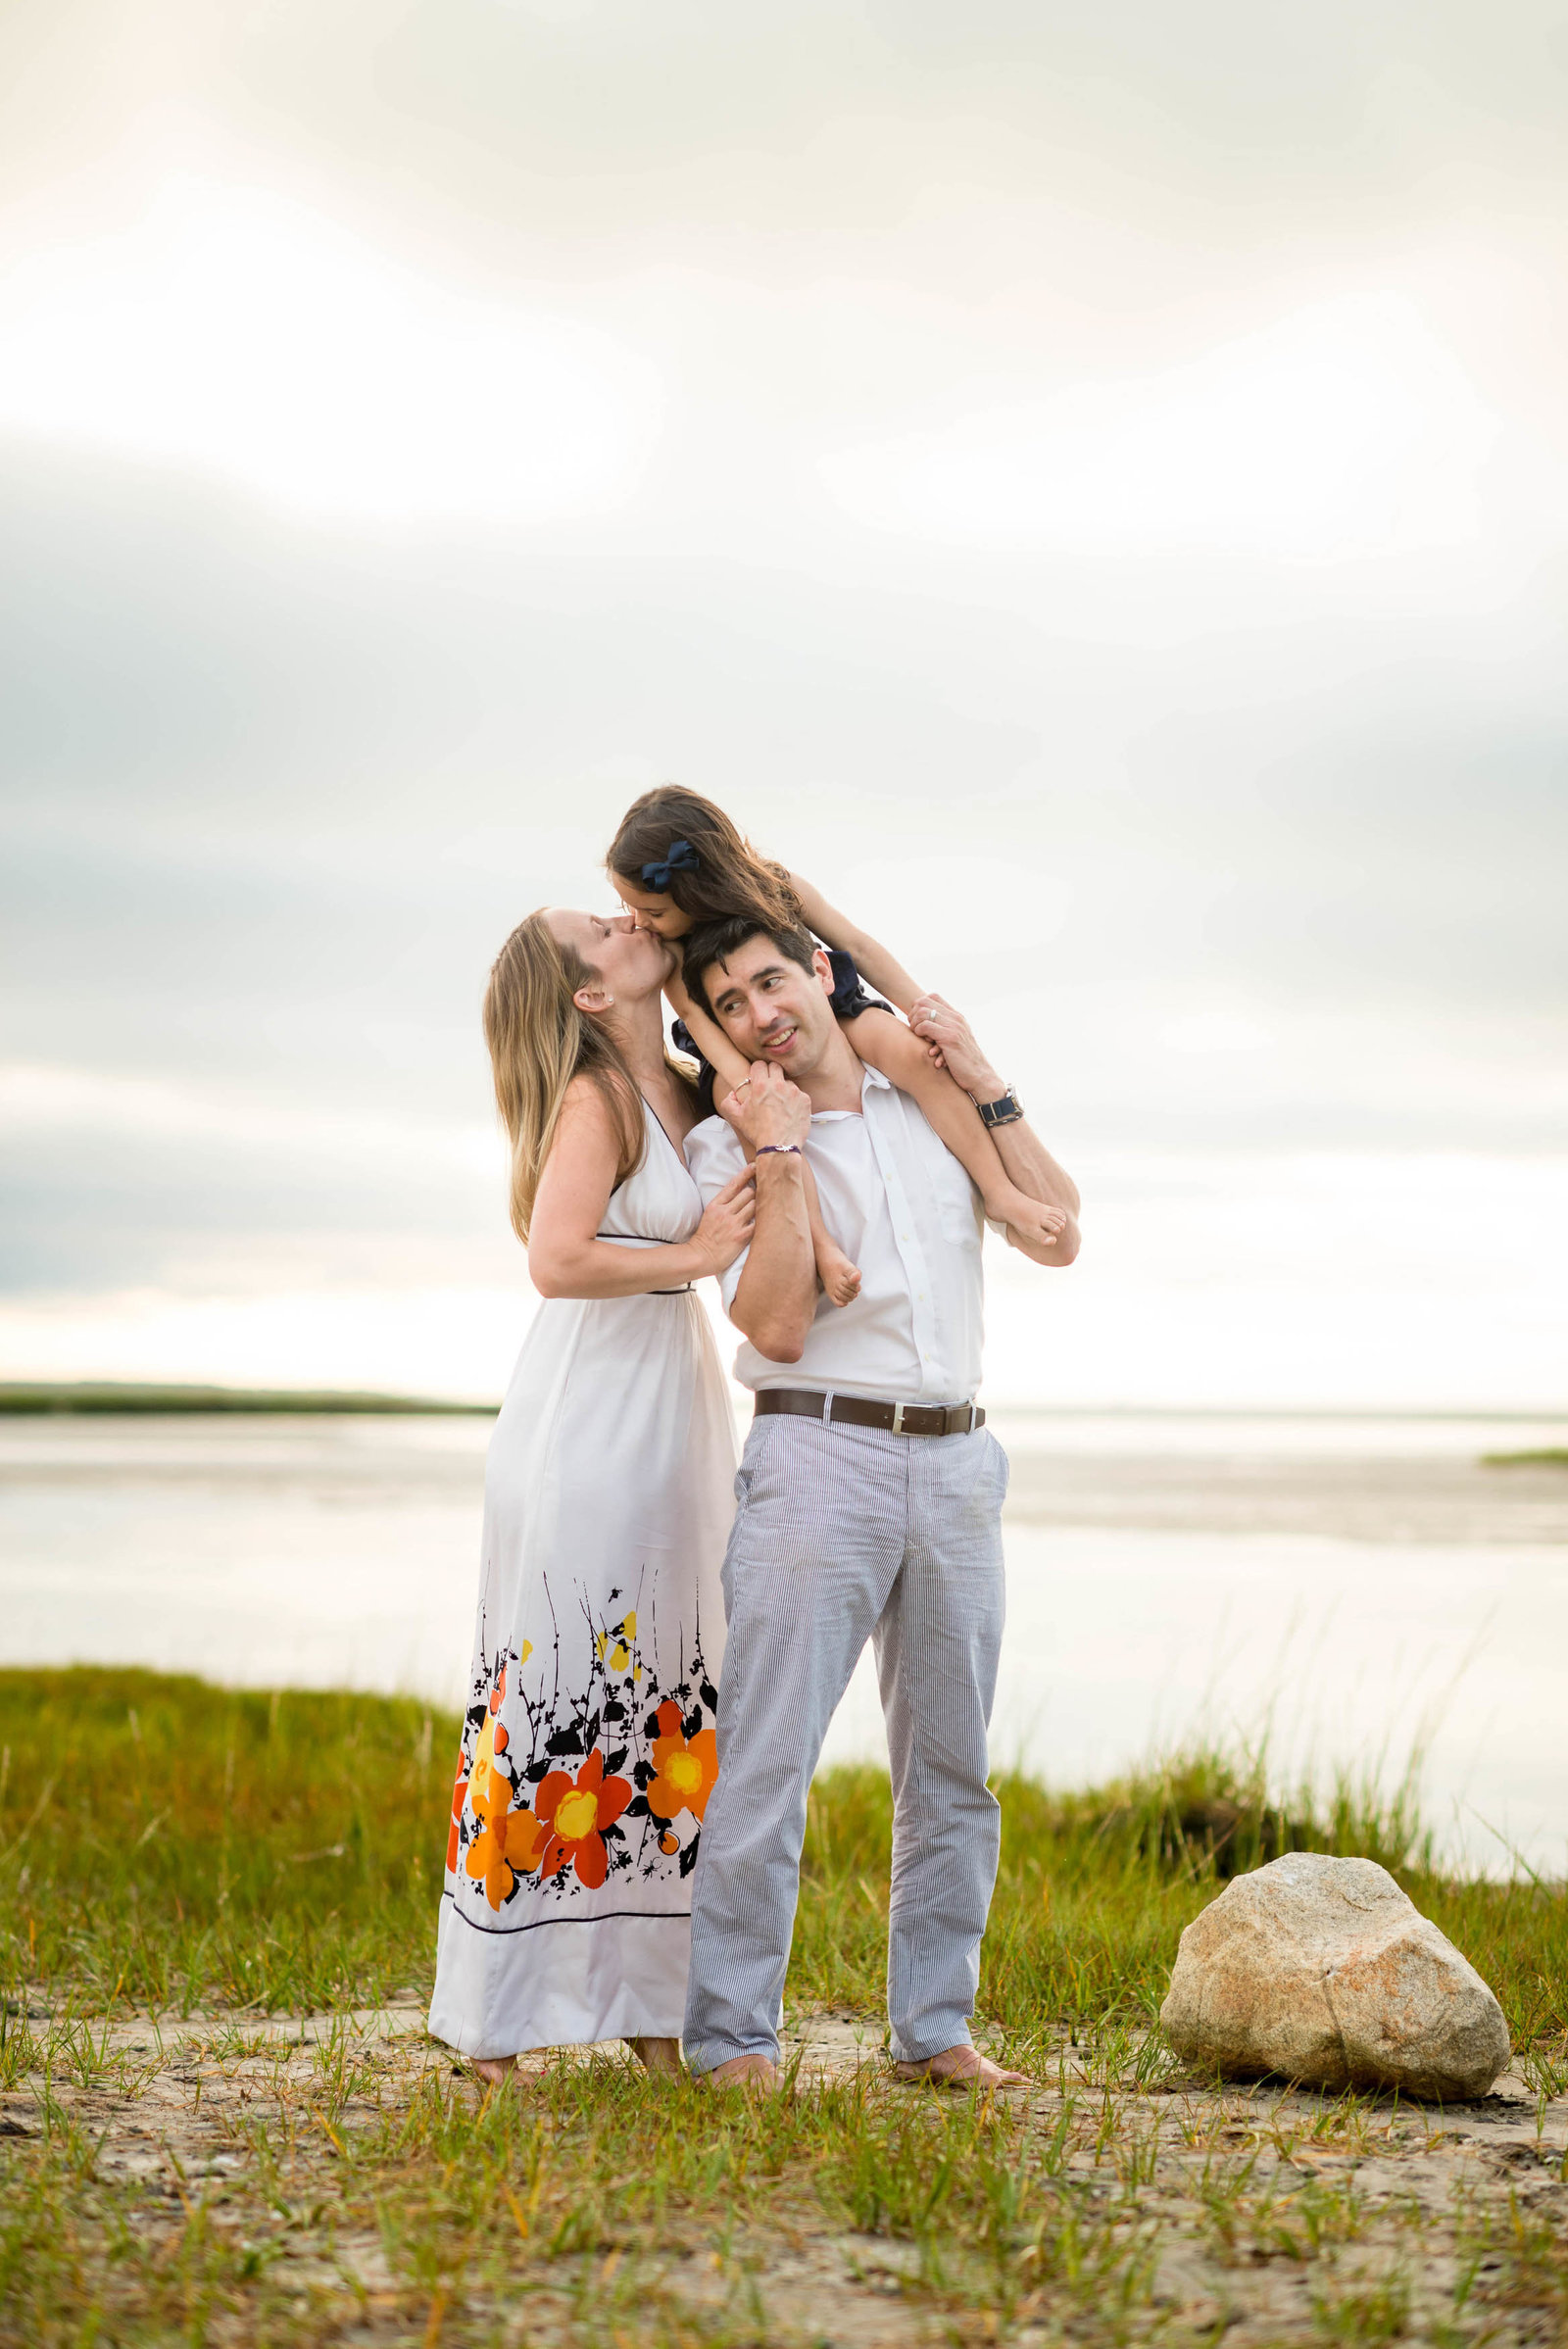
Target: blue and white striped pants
(845, 1534)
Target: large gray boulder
(1324, 1971)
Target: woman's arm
(566, 1259)
(871, 960)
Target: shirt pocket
(957, 1203)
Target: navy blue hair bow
(679, 857)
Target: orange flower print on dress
(576, 1811)
(458, 1790)
(492, 1741)
(685, 1768)
(509, 1843)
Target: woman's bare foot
(661, 2056)
(1025, 1215)
(838, 1276)
(754, 2072)
(961, 2068)
(492, 2069)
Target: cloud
(233, 330)
(1345, 429)
(1086, 487)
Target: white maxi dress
(588, 1747)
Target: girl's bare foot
(1026, 1216)
(838, 1276)
(492, 2069)
(661, 2056)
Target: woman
(588, 1751)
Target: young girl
(678, 860)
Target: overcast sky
(1090, 488)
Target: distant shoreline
(33, 1399)
(107, 1397)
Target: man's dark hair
(715, 941)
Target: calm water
(1358, 1585)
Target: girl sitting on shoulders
(678, 860)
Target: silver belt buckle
(898, 1419)
(973, 1415)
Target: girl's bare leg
(886, 1044)
(838, 1276)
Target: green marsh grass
(188, 1860)
(168, 1844)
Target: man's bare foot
(492, 2069)
(838, 1276)
(756, 2072)
(961, 2068)
(1025, 1215)
(661, 2056)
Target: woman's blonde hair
(539, 1041)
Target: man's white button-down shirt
(903, 1208)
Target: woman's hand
(727, 1223)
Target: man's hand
(950, 1043)
(1049, 1233)
(767, 1110)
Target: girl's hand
(727, 1223)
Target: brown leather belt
(859, 1411)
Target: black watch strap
(1007, 1111)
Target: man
(869, 1505)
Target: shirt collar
(871, 1080)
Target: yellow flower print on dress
(614, 1646)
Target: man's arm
(775, 1301)
(1025, 1157)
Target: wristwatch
(1005, 1111)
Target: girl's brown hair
(720, 875)
(539, 1041)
